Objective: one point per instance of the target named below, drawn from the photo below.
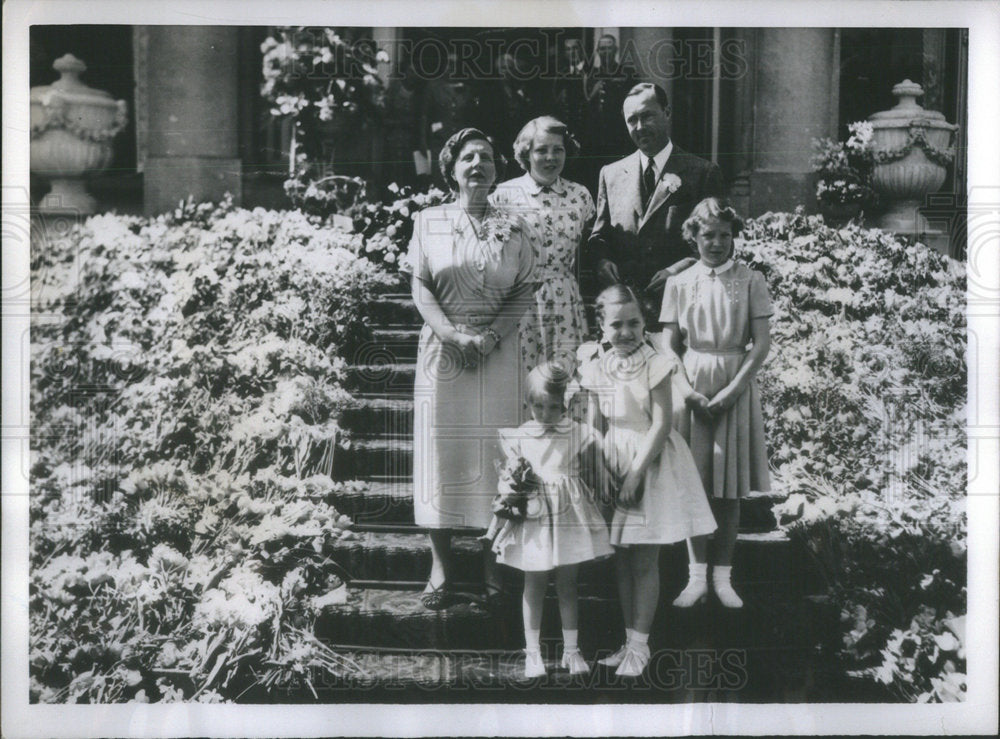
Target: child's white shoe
(695, 592)
(573, 661)
(697, 587)
(534, 665)
(634, 662)
(615, 659)
(724, 588)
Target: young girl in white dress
(712, 313)
(563, 526)
(660, 499)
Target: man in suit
(644, 199)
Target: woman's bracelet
(491, 332)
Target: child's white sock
(570, 640)
(532, 639)
(639, 639)
(721, 582)
(697, 586)
(628, 635)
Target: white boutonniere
(671, 182)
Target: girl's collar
(607, 348)
(706, 270)
(536, 429)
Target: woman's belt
(472, 319)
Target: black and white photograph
(499, 370)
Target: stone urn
(72, 128)
(912, 149)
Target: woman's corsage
(495, 231)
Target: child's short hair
(615, 295)
(548, 378)
(711, 208)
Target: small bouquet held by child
(517, 483)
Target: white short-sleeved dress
(472, 272)
(713, 308)
(673, 506)
(563, 525)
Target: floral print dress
(555, 325)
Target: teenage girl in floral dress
(559, 211)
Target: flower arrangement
(386, 228)
(845, 169)
(517, 482)
(324, 80)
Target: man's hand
(660, 278)
(607, 272)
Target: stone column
(193, 137)
(796, 101)
(656, 56)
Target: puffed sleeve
(660, 366)
(509, 442)
(668, 311)
(415, 260)
(760, 298)
(586, 365)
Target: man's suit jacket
(642, 243)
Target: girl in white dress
(563, 525)
(715, 316)
(660, 498)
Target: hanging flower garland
(55, 106)
(917, 136)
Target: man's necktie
(648, 183)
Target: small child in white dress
(563, 525)
(660, 498)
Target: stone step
(379, 415)
(394, 309)
(391, 501)
(402, 554)
(376, 376)
(396, 345)
(363, 457)
(675, 676)
(395, 618)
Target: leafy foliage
(864, 398)
(185, 391)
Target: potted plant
(326, 81)
(844, 186)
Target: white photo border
(978, 714)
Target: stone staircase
(401, 652)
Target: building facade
(751, 99)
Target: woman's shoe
(494, 598)
(695, 592)
(534, 665)
(573, 661)
(635, 661)
(437, 597)
(615, 659)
